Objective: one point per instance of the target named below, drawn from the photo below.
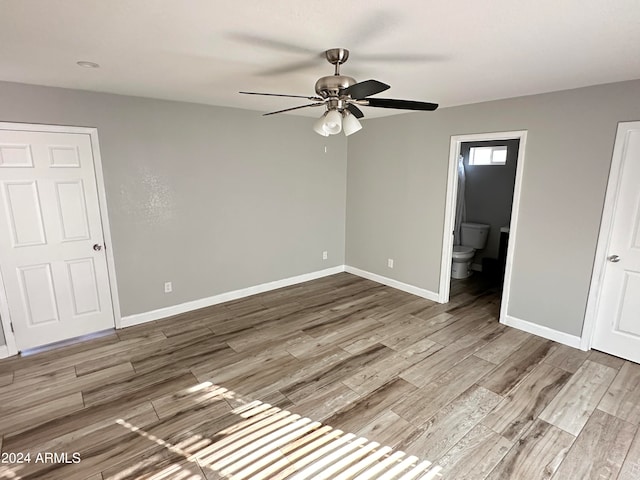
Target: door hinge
(11, 325)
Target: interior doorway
(495, 228)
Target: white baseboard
(544, 332)
(4, 351)
(152, 315)
(405, 287)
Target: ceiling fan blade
(400, 104)
(294, 108)
(401, 58)
(273, 43)
(289, 68)
(371, 27)
(355, 111)
(282, 95)
(361, 90)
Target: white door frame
(450, 210)
(604, 237)
(104, 220)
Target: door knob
(97, 247)
(613, 258)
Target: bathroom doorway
(485, 173)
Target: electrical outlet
(325, 255)
(168, 287)
(390, 262)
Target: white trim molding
(544, 332)
(10, 346)
(4, 351)
(405, 287)
(138, 318)
(106, 230)
(450, 211)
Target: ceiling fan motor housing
(330, 86)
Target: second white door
(618, 315)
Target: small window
(488, 155)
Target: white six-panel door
(617, 329)
(52, 256)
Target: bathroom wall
(489, 193)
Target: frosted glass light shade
(333, 122)
(318, 126)
(350, 124)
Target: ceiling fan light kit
(341, 95)
(318, 126)
(333, 122)
(350, 124)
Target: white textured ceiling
(449, 52)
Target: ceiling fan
(342, 96)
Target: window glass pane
(488, 155)
(480, 156)
(499, 155)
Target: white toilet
(473, 237)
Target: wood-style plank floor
(339, 378)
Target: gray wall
(397, 175)
(212, 199)
(216, 199)
(489, 193)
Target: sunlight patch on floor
(269, 443)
